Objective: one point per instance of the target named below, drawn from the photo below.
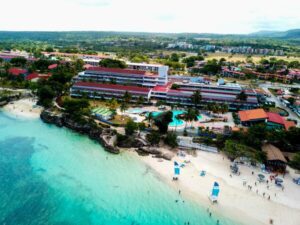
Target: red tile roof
(115, 87)
(289, 124)
(53, 66)
(254, 114)
(275, 118)
(32, 76)
(38, 75)
(121, 71)
(16, 71)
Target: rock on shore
(97, 133)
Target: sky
(175, 16)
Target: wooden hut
(276, 161)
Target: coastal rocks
(131, 142)
(155, 152)
(52, 118)
(104, 136)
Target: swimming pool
(175, 122)
(136, 111)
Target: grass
(243, 57)
(278, 110)
(120, 120)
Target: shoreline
(25, 108)
(235, 201)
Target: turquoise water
(50, 175)
(175, 122)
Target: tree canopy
(112, 63)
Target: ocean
(51, 175)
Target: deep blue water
(50, 175)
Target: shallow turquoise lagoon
(50, 175)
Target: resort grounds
(256, 205)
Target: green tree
(127, 97)
(171, 139)
(76, 107)
(18, 61)
(196, 98)
(140, 100)
(153, 138)
(130, 127)
(123, 107)
(174, 57)
(45, 95)
(235, 150)
(175, 86)
(242, 96)
(112, 63)
(162, 121)
(295, 162)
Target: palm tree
(127, 97)
(140, 100)
(191, 115)
(242, 96)
(196, 98)
(123, 107)
(150, 118)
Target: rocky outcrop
(131, 142)
(52, 118)
(155, 152)
(90, 128)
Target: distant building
(17, 71)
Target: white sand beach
(23, 108)
(235, 200)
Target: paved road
(278, 103)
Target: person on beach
(271, 221)
(210, 214)
(179, 192)
(218, 222)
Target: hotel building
(122, 76)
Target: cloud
(92, 3)
(214, 16)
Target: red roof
(32, 76)
(115, 87)
(117, 70)
(53, 66)
(37, 75)
(17, 71)
(275, 118)
(254, 114)
(288, 124)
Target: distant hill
(289, 34)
